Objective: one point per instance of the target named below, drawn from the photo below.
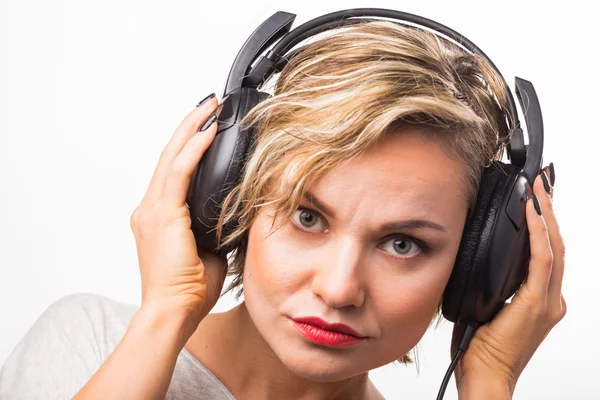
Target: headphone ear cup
(461, 292)
(221, 167)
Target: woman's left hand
(500, 349)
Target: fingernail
(536, 204)
(225, 98)
(546, 183)
(209, 122)
(218, 109)
(204, 100)
(552, 176)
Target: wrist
(142, 364)
(484, 387)
(174, 324)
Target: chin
(325, 364)
(319, 363)
(309, 360)
(319, 366)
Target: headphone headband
(493, 256)
(276, 30)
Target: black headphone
(493, 257)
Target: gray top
(71, 340)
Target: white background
(90, 92)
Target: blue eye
(307, 218)
(402, 246)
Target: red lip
(319, 323)
(333, 335)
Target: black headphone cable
(463, 344)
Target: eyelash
(423, 247)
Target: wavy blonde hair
(340, 94)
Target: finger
(550, 176)
(190, 125)
(556, 241)
(540, 264)
(184, 165)
(563, 304)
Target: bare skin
(336, 262)
(344, 270)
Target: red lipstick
(332, 335)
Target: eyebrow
(408, 224)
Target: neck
(231, 347)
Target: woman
(351, 210)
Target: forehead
(410, 164)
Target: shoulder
(84, 319)
(90, 320)
(89, 304)
(64, 347)
(91, 312)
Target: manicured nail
(209, 122)
(546, 183)
(536, 204)
(218, 109)
(204, 100)
(552, 176)
(225, 98)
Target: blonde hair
(341, 94)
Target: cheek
(274, 267)
(405, 306)
(410, 301)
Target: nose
(338, 277)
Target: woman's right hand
(177, 276)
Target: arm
(480, 388)
(178, 287)
(62, 349)
(82, 342)
(142, 364)
(109, 349)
